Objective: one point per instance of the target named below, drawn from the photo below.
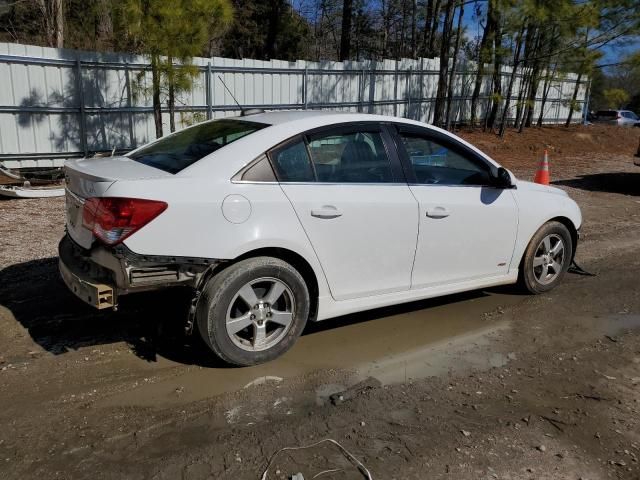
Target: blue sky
(612, 53)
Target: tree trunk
(52, 15)
(155, 85)
(58, 13)
(516, 61)
(403, 25)
(497, 70)
(386, 26)
(171, 80)
(535, 81)
(345, 38)
(414, 39)
(428, 20)
(103, 31)
(524, 83)
(573, 100)
(545, 93)
(452, 78)
(486, 42)
(273, 28)
(443, 75)
(529, 53)
(526, 91)
(434, 29)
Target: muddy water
(394, 344)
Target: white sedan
(275, 219)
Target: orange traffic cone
(542, 174)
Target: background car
(623, 118)
(274, 219)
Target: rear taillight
(112, 219)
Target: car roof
(284, 116)
(283, 125)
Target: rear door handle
(326, 212)
(438, 212)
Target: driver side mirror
(502, 178)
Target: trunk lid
(92, 177)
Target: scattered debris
(355, 390)
(357, 463)
(555, 422)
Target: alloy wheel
(549, 259)
(260, 314)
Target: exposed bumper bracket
(97, 295)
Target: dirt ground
(487, 384)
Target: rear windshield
(176, 152)
(607, 113)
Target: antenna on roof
(243, 111)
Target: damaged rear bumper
(100, 275)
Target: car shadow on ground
(152, 324)
(625, 183)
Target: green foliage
(616, 97)
(266, 29)
(552, 38)
(174, 28)
(191, 118)
(172, 32)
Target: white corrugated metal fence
(57, 103)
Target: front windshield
(176, 152)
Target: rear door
(347, 188)
(467, 227)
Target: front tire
(547, 258)
(253, 311)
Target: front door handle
(326, 212)
(438, 212)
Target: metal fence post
(372, 87)
(585, 103)
(395, 91)
(305, 79)
(208, 93)
(407, 112)
(83, 113)
(361, 92)
(127, 79)
(421, 89)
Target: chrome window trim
(252, 182)
(458, 185)
(345, 184)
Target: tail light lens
(112, 219)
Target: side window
(292, 163)
(436, 163)
(355, 157)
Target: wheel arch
(567, 222)
(573, 231)
(294, 259)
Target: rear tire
(547, 258)
(253, 311)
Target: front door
(359, 214)
(467, 227)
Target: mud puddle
(393, 344)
